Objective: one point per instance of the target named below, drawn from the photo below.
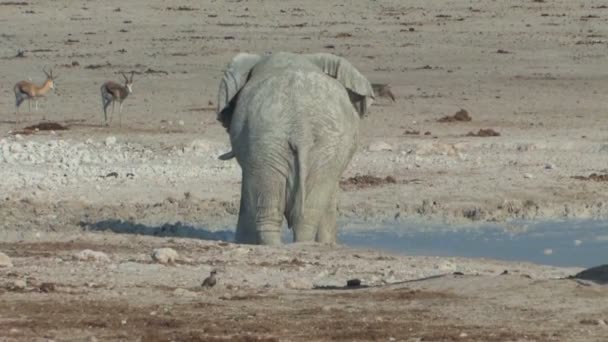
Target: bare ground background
(533, 71)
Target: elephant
(293, 121)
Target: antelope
(383, 90)
(112, 92)
(26, 90)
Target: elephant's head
(238, 71)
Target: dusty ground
(532, 71)
(283, 294)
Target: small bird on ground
(210, 281)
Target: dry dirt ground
(532, 71)
(295, 293)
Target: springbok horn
(132, 73)
(125, 76)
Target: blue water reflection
(566, 243)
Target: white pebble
(165, 255)
(5, 260)
(110, 141)
(377, 146)
(89, 255)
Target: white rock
(89, 255)
(19, 284)
(165, 255)
(377, 146)
(110, 141)
(5, 260)
(528, 176)
(549, 166)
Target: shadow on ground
(177, 229)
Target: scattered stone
(528, 176)
(549, 166)
(378, 146)
(165, 255)
(18, 284)
(461, 115)
(5, 260)
(484, 132)
(46, 287)
(111, 174)
(366, 181)
(592, 321)
(593, 177)
(110, 141)
(90, 255)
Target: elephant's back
(291, 101)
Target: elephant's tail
(299, 189)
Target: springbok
(26, 90)
(383, 90)
(112, 92)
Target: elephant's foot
(269, 237)
(304, 233)
(245, 238)
(327, 236)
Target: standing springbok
(112, 92)
(26, 90)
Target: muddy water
(564, 243)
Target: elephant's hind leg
(262, 207)
(328, 227)
(312, 224)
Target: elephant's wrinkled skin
(293, 124)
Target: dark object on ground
(210, 281)
(593, 177)
(598, 274)
(461, 115)
(111, 174)
(488, 132)
(365, 181)
(47, 287)
(46, 126)
(353, 282)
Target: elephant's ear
(359, 89)
(235, 77)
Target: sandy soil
(533, 71)
(293, 293)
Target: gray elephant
(293, 121)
